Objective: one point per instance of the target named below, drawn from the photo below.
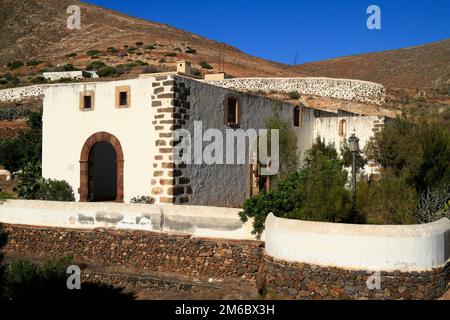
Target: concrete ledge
(366, 247)
(208, 222)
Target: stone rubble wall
(222, 260)
(341, 89)
(20, 93)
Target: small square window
(123, 98)
(87, 102)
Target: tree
(26, 148)
(288, 147)
(316, 192)
(416, 147)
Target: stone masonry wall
(17, 94)
(146, 251)
(302, 281)
(342, 89)
(220, 259)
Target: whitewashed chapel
(114, 140)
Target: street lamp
(353, 142)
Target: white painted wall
(225, 184)
(208, 222)
(66, 129)
(327, 128)
(366, 247)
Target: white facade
(66, 129)
(160, 104)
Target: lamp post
(354, 148)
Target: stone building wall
(342, 89)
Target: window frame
(237, 123)
(120, 90)
(83, 95)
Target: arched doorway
(101, 169)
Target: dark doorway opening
(102, 173)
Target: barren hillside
(423, 66)
(36, 30)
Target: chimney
(184, 67)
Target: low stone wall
(146, 251)
(17, 94)
(149, 252)
(342, 89)
(305, 281)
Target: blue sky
(314, 29)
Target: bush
(317, 193)
(26, 148)
(150, 47)
(54, 190)
(15, 65)
(106, 71)
(205, 65)
(416, 147)
(112, 50)
(190, 50)
(29, 181)
(10, 114)
(39, 80)
(34, 63)
(132, 50)
(139, 43)
(95, 65)
(433, 205)
(294, 95)
(170, 54)
(93, 52)
(151, 69)
(143, 200)
(288, 147)
(71, 55)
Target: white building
(112, 141)
(76, 75)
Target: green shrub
(3, 82)
(416, 147)
(288, 146)
(15, 65)
(26, 148)
(71, 55)
(95, 65)
(317, 193)
(10, 114)
(151, 69)
(143, 200)
(66, 67)
(132, 50)
(170, 54)
(107, 71)
(39, 80)
(29, 181)
(205, 65)
(54, 190)
(34, 63)
(93, 52)
(294, 95)
(150, 47)
(112, 50)
(139, 43)
(190, 50)
(3, 197)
